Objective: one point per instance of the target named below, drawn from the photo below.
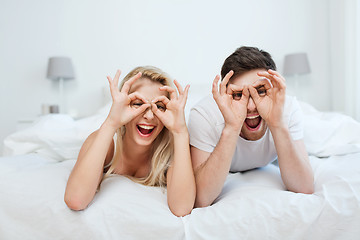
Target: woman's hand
(233, 110)
(171, 111)
(270, 106)
(121, 111)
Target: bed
(252, 205)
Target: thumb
(155, 110)
(254, 94)
(141, 109)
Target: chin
(255, 133)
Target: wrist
(279, 127)
(180, 132)
(109, 125)
(231, 130)
(234, 127)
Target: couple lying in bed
(247, 123)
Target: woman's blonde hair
(162, 148)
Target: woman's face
(144, 128)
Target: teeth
(146, 126)
(252, 117)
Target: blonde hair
(162, 148)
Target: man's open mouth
(253, 122)
(145, 130)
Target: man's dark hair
(245, 59)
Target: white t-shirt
(206, 124)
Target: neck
(135, 154)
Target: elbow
(305, 189)
(202, 201)
(74, 203)
(181, 208)
(308, 186)
(201, 204)
(181, 211)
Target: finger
(245, 96)
(116, 78)
(179, 87)
(254, 94)
(264, 81)
(225, 82)
(141, 109)
(273, 72)
(215, 89)
(280, 81)
(234, 88)
(127, 85)
(270, 77)
(111, 85)
(110, 81)
(185, 95)
(162, 99)
(172, 91)
(135, 95)
(156, 111)
(245, 93)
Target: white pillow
(55, 135)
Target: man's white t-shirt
(206, 124)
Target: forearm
(87, 172)
(296, 171)
(181, 189)
(211, 175)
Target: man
(248, 123)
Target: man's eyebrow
(260, 86)
(237, 91)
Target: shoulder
(294, 117)
(291, 103)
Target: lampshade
(60, 67)
(296, 63)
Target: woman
(151, 145)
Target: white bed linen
(32, 206)
(252, 205)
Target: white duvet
(252, 205)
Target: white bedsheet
(329, 133)
(252, 205)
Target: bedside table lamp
(60, 69)
(296, 64)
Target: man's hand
(271, 105)
(234, 111)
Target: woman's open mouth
(145, 130)
(253, 123)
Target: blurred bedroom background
(188, 39)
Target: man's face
(254, 126)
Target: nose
(148, 114)
(251, 105)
